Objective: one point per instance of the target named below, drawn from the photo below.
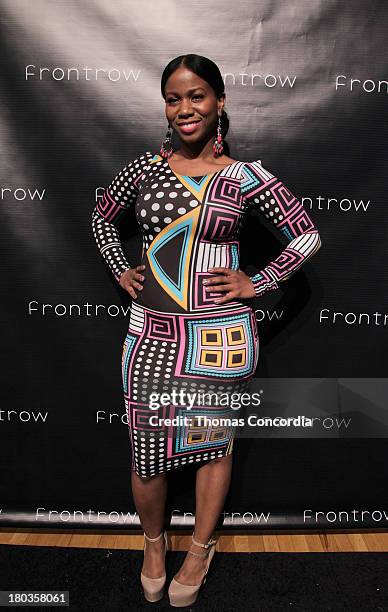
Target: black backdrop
(306, 92)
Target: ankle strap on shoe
(153, 539)
(207, 545)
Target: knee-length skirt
(183, 376)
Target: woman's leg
(212, 485)
(149, 495)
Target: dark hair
(209, 72)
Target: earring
(217, 145)
(166, 148)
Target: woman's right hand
(129, 280)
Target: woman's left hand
(235, 283)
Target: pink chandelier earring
(217, 145)
(166, 149)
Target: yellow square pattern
(211, 337)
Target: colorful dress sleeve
(272, 199)
(117, 199)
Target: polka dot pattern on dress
(120, 195)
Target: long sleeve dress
(180, 342)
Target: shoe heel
(151, 595)
(153, 588)
(182, 595)
(180, 598)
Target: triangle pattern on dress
(162, 256)
(249, 180)
(172, 273)
(196, 185)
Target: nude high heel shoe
(153, 587)
(185, 594)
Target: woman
(192, 326)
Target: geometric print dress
(185, 358)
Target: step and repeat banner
(306, 88)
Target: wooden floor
(324, 542)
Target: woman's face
(190, 100)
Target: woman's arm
(271, 198)
(117, 199)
